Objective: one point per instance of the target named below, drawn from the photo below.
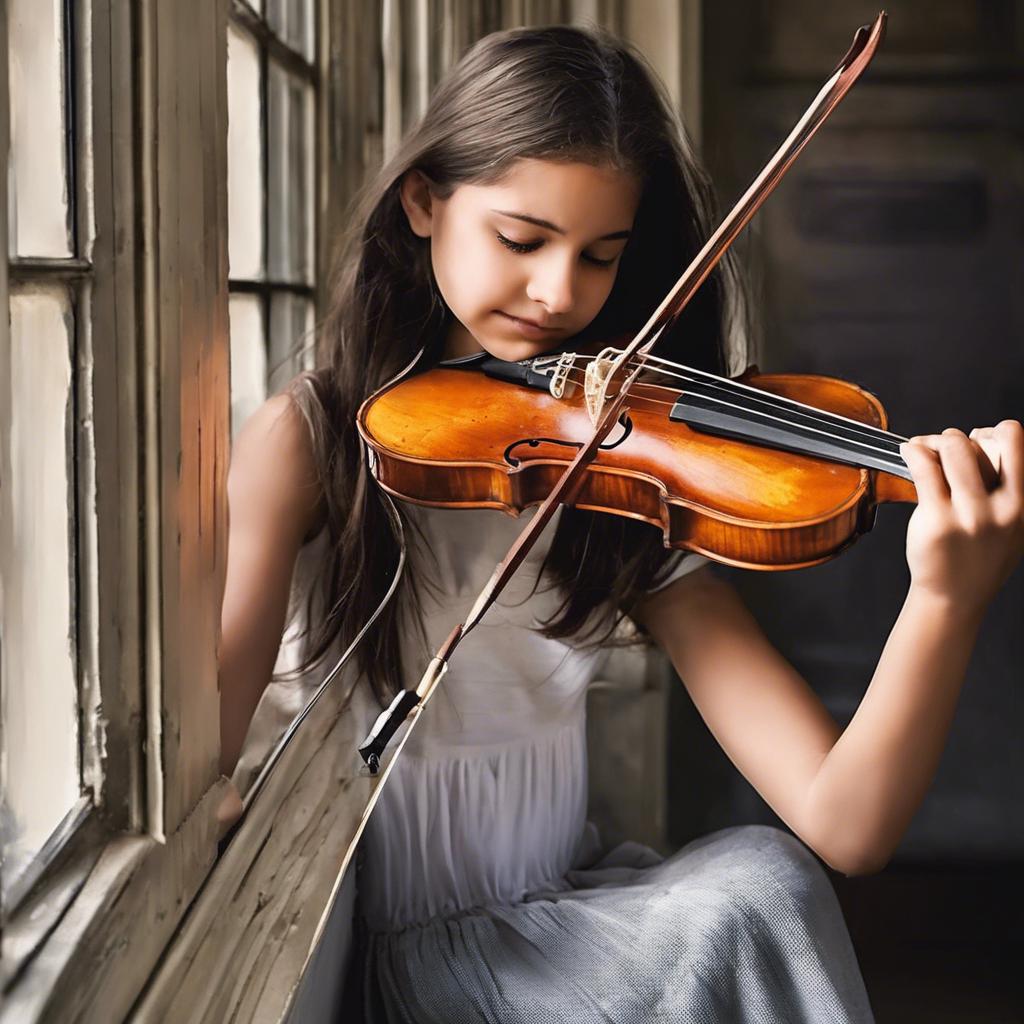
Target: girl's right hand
(964, 537)
(229, 810)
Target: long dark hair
(558, 93)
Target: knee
(769, 863)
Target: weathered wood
(240, 952)
(106, 893)
(132, 899)
(112, 688)
(185, 228)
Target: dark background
(891, 256)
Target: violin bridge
(595, 382)
(560, 374)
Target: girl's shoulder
(273, 473)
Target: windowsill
(67, 935)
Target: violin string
(767, 397)
(747, 406)
(757, 394)
(844, 443)
(837, 432)
(764, 398)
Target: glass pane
(290, 153)
(292, 22)
(248, 358)
(245, 157)
(256, 5)
(38, 172)
(39, 698)
(291, 338)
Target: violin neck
(728, 409)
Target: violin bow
(408, 705)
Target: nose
(552, 283)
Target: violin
(767, 471)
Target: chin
(513, 351)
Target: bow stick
(408, 705)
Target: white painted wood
(186, 344)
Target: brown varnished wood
(440, 439)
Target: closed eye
(518, 246)
(523, 247)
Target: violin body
(456, 439)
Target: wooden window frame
(270, 47)
(134, 872)
(154, 360)
(76, 831)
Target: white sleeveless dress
(484, 895)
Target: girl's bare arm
(851, 794)
(273, 503)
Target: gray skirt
(738, 926)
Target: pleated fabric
(741, 926)
(475, 828)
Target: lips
(531, 323)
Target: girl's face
(527, 262)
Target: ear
(417, 202)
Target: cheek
(598, 288)
(471, 275)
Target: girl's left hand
(966, 536)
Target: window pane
(291, 331)
(245, 157)
(38, 172)
(290, 165)
(248, 358)
(292, 21)
(39, 709)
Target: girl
(547, 197)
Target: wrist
(948, 609)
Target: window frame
(72, 834)
(272, 50)
(152, 364)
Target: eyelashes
(524, 247)
(517, 246)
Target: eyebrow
(554, 227)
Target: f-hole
(625, 423)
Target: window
(44, 459)
(272, 85)
(113, 448)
